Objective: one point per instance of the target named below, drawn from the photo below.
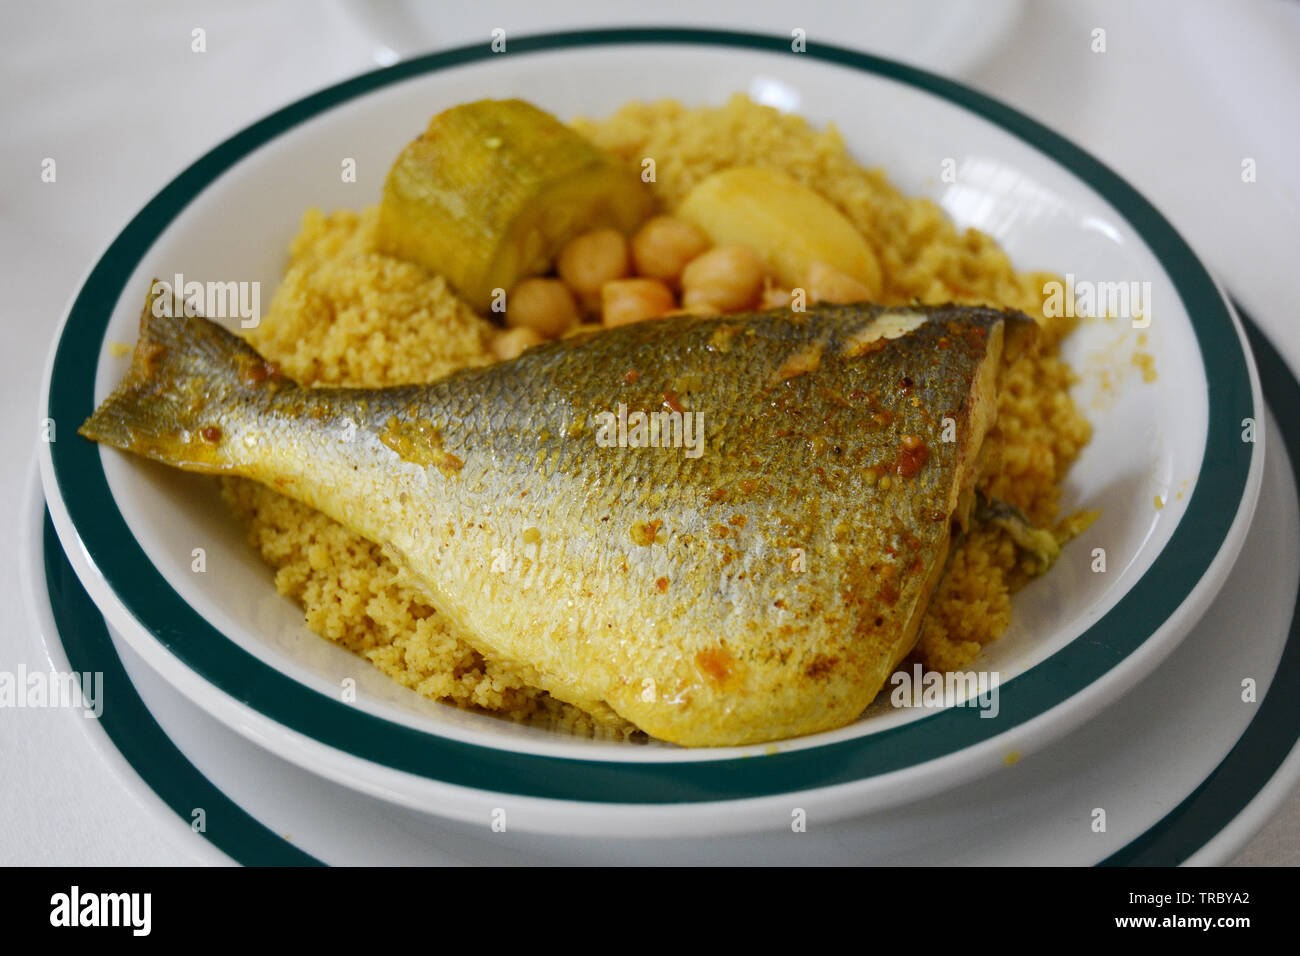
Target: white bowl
(1078, 638)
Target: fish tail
(189, 381)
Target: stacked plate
(1140, 718)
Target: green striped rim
(145, 593)
(137, 736)
(1275, 728)
(1250, 764)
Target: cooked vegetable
(662, 247)
(625, 301)
(788, 224)
(544, 305)
(774, 297)
(590, 260)
(827, 284)
(493, 190)
(510, 343)
(727, 278)
(1036, 543)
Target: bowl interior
(1148, 442)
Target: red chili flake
(631, 377)
(670, 400)
(262, 371)
(820, 666)
(211, 434)
(912, 456)
(717, 664)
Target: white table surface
(112, 91)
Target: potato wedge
(788, 224)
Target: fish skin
(662, 587)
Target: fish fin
(187, 375)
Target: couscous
(346, 313)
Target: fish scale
(762, 590)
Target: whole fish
(725, 530)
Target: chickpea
(625, 301)
(510, 343)
(827, 284)
(544, 305)
(727, 278)
(774, 297)
(663, 246)
(590, 260)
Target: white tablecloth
(113, 92)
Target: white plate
(1079, 639)
(1187, 716)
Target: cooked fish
(725, 530)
